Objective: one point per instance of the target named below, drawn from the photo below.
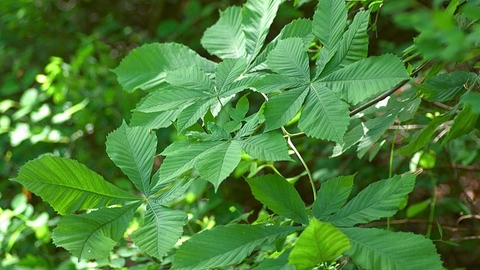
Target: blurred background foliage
(58, 95)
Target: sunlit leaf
(289, 58)
(267, 146)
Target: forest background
(58, 95)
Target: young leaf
(280, 196)
(329, 22)
(283, 107)
(161, 230)
(132, 149)
(69, 186)
(332, 195)
(225, 38)
(379, 249)
(219, 161)
(225, 245)
(145, 67)
(267, 146)
(257, 16)
(93, 235)
(366, 77)
(289, 58)
(444, 87)
(324, 115)
(380, 199)
(320, 242)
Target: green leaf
(320, 242)
(219, 162)
(226, 245)
(446, 86)
(329, 22)
(283, 107)
(93, 235)
(192, 78)
(472, 99)
(267, 146)
(133, 149)
(192, 113)
(225, 38)
(145, 67)
(324, 115)
(378, 200)
(332, 195)
(161, 230)
(463, 124)
(169, 98)
(280, 196)
(69, 186)
(376, 127)
(289, 58)
(257, 16)
(353, 46)
(275, 82)
(366, 77)
(352, 137)
(227, 72)
(379, 249)
(278, 263)
(183, 158)
(155, 120)
(172, 192)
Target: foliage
(314, 79)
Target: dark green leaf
(332, 195)
(446, 86)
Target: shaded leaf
(446, 86)
(280, 196)
(463, 124)
(376, 127)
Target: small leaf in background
(69, 186)
(380, 249)
(320, 242)
(280, 196)
(93, 235)
(225, 245)
(133, 149)
(446, 86)
(417, 208)
(333, 194)
(463, 123)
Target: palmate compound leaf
(69, 186)
(320, 242)
(93, 235)
(145, 67)
(226, 245)
(160, 231)
(324, 115)
(380, 249)
(280, 196)
(332, 195)
(267, 146)
(378, 200)
(366, 77)
(132, 149)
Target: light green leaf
(145, 67)
(219, 161)
(169, 98)
(192, 113)
(463, 124)
(279, 263)
(154, 120)
(275, 82)
(366, 77)
(192, 78)
(332, 195)
(93, 235)
(257, 16)
(324, 115)
(379, 249)
(329, 22)
(353, 46)
(289, 58)
(132, 149)
(376, 127)
(69, 186)
(267, 146)
(320, 242)
(161, 230)
(378, 200)
(183, 158)
(225, 245)
(225, 38)
(283, 107)
(172, 192)
(446, 86)
(227, 72)
(280, 196)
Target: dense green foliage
(256, 115)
